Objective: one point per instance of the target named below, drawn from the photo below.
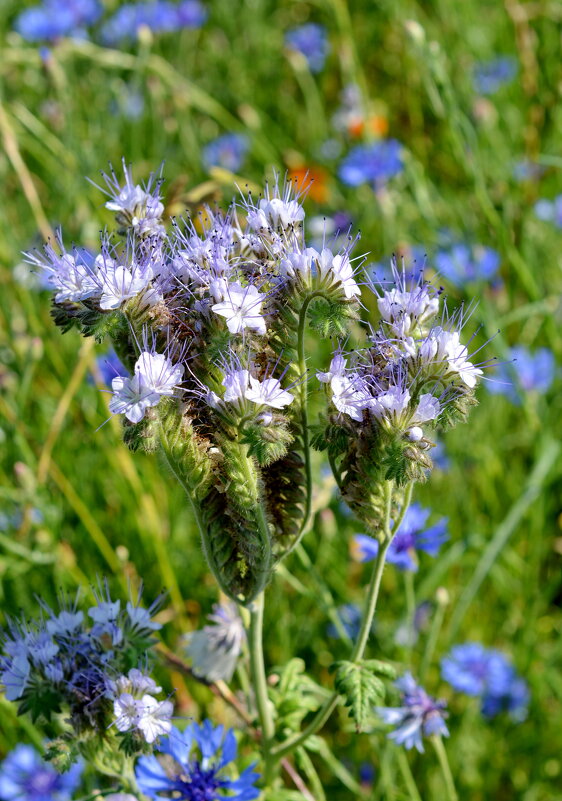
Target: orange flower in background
(312, 180)
(375, 124)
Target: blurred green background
(75, 504)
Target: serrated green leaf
(360, 687)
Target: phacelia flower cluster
(419, 715)
(74, 662)
(194, 767)
(487, 673)
(414, 376)
(210, 318)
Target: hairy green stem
(359, 648)
(445, 768)
(259, 681)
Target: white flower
(120, 283)
(268, 392)
(337, 368)
(339, 267)
(275, 212)
(428, 409)
(415, 434)
(236, 383)
(407, 309)
(214, 650)
(350, 395)
(126, 712)
(440, 346)
(131, 397)
(158, 372)
(390, 403)
(241, 307)
(73, 279)
(65, 622)
(298, 263)
(154, 717)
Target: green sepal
(62, 752)
(331, 318)
(267, 443)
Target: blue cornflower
(420, 714)
(110, 366)
(350, 617)
(160, 16)
(489, 76)
(525, 372)
(462, 264)
(486, 673)
(374, 163)
(412, 536)
(228, 151)
(311, 41)
(198, 777)
(24, 776)
(550, 210)
(57, 18)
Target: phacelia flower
(310, 40)
(214, 650)
(524, 372)
(227, 151)
(135, 708)
(190, 776)
(374, 163)
(24, 776)
(121, 282)
(412, 536)
(462, 264)
(242, 308)
(155, 377)
(420, 715)
(138, 208)
(485, 672)
(490, 76)
(71, 274)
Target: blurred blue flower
(161, 16)
(110, 365)
(439, 457)
(486, 673)
(350, 617)
(489, 76)
(24, 776)
(374, 163)
(311, 41)
(420, 714)
(462, 264)
(412, 536)
(527, 372)
(527, 170)
(55, 18)
(199, 777)
(228, 151)
(550, 210)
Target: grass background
(75, 504)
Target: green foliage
(40, 702)
(62, 752)
(361, 686)
(294, 695)
(331, 318)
